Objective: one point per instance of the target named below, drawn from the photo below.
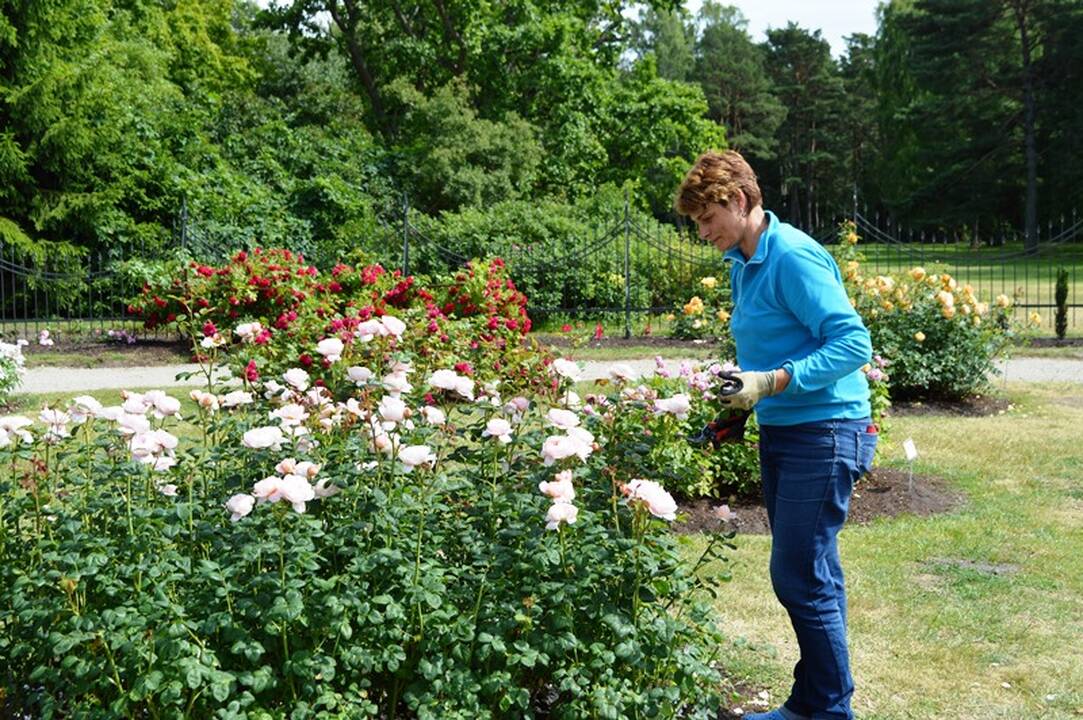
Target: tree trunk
(1021, 9)
(348, 27)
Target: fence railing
(622, 268)
(994, 263)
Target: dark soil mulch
(1044, 342)
(975, 406)
(884, 493)
(144, 352)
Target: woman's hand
(755, 386)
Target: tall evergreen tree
(809, 171)
(731, 70)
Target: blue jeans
(808, 472)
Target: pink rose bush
(329, 535)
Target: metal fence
(993, 261)
(626, 267)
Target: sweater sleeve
(811, 288)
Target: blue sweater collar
(762, 246)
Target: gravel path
(44, 379)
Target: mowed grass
(974, 614)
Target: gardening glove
(754, 387)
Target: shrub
(405, 553)
(11, 368)
(661, 447)
(941, 338)
(565, 255)
(269, 309)
(706, 314)
(1061, 300)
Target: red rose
(251, 374)
(209, 329)
(305, 359)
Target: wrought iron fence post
(184, 222)
(627, 269)
(405, 235)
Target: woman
(800, 345)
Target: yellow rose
(977, 320)
(851, 238)
(887, 305)
(947, 312)
(694, 306)
(670, 317)
(918, 273)
(723, 316)
(708, 282)
(981, 308)
(964, 309)
(697, 324)
(1035, 318)
(1003, 301)
(946, 299)
(919, 336)
(948, 281)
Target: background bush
(941, 339)
(433, 591)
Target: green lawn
(975, 614)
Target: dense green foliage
(400, 551)
(301, 124)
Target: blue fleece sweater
(791, 311)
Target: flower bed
(284, 313)
(942, 340)
(392, 542)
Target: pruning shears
(730, 425)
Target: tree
(858, 72)
(810, 165)
(971, 112)
(670, 38)
(731, 70)
(1059, 74)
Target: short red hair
(717, 177)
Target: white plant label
(911, 449)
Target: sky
(836, 18)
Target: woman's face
(721, 225)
